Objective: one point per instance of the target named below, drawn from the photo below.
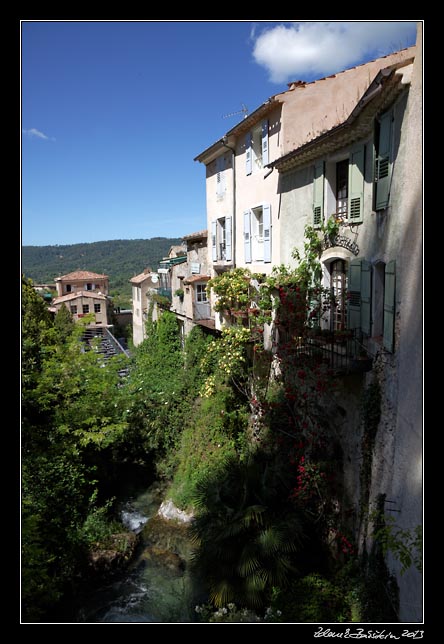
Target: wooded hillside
(120, 259)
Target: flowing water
(157, 586)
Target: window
(383, 160)
(68, 288)
(256, 148)
(338, 283)
(97, 308)
(342, 189)
(201, 293)
(345, 198)
(89, 287)
(220, 177)
(318, 194)
(85, 308)
(221, 239)
(73, 309)
(257, 234)
(359, 299)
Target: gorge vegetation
(242, 436)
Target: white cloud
(37, 134)
(307, 50)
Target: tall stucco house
(347, 147)
(243, 190)
(141, 285)
(84, 292)
(190, 302)
(366, 172)
(180, 285)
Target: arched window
(338, 282)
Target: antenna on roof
(244, 111)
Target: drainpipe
(233, 224)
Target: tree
(64, 323)
(245, 538)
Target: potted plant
(179, 293)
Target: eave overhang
(381, 93)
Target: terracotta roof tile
(142, 277)
(199, 235)
(73, 296)
(196, 278)
(81, 275)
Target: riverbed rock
(107, 560)
(170, 512)
(163, 557)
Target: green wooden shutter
(366, 294)
(383, 161)
(354, 294)
(389, 306)
(318, 194)
(356, 185)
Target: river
(157, 586)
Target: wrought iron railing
(343, 352)
(165, 292)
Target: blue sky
(113, 113)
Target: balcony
(165, 292)
(342, 351)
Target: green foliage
(216, 431)
(313, 599)
(99, 528)
(233, 289)
(245, 537)
(404, 545)
(64, 324)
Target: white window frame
(201, 292)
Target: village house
(84, 292)
(141, 284)
(189, 291)
(243, 193)
(366, 173)
(346, 148)
(178, 285)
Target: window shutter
(389, 306)
(356, 185)
(264, 143)
(318, 194)
(247, 237)
(213, 240)
(228, 239)
(248, 159)
(383, 161)
(354, 294)
(366, 294)
(266, 218)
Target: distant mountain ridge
(120, 259)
